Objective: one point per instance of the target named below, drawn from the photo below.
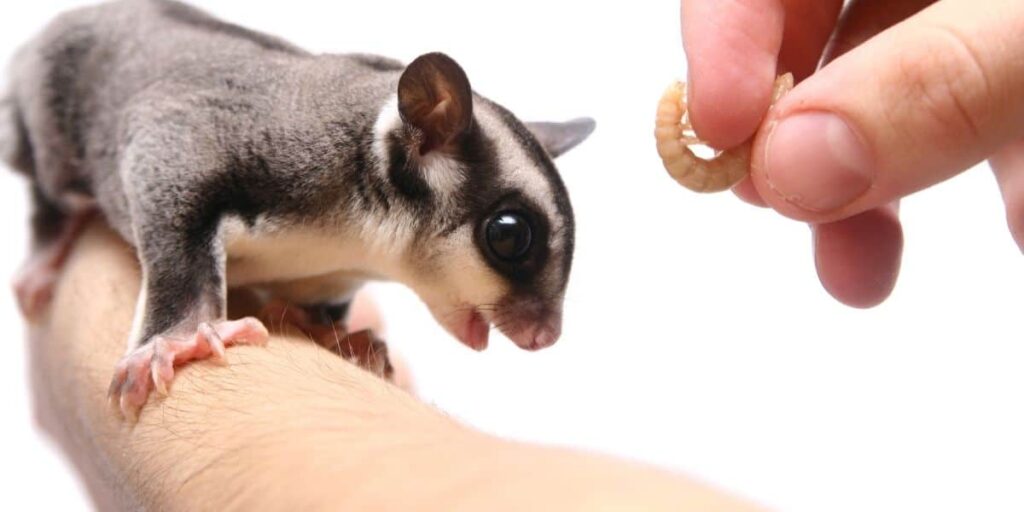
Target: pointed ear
(557, 138)
(435, 98)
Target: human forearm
(292, 426)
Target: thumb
(909, 108)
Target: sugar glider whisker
(227, 158)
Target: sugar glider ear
(434, 97)
(557, 138)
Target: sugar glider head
(494, 228)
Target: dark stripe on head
(404, 176)
(481, 188)
(541, 159)
(522, 274)
(483, 195)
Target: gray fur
(14, 144)
(171, 122)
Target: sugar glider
(228, 157)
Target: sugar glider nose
(541, 334)
(543, 338)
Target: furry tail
(15, 150)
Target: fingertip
(885, 120)
(747, 193)
(813, 166)
(726, 106)
(732, 49)
(858, 258)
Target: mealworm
(674, 135)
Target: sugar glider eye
(509, 235)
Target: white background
(697, 336)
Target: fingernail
(815, 161)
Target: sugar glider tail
(15, 149)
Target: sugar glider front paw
(151, 365)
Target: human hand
(912, 93)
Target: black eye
(509, 235)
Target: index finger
(731, 52)
(736, 48)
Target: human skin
(291, 426)
(911, 93)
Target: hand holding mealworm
(674, 133)
(924, 90)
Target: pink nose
(545, 337)
(543, 334)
